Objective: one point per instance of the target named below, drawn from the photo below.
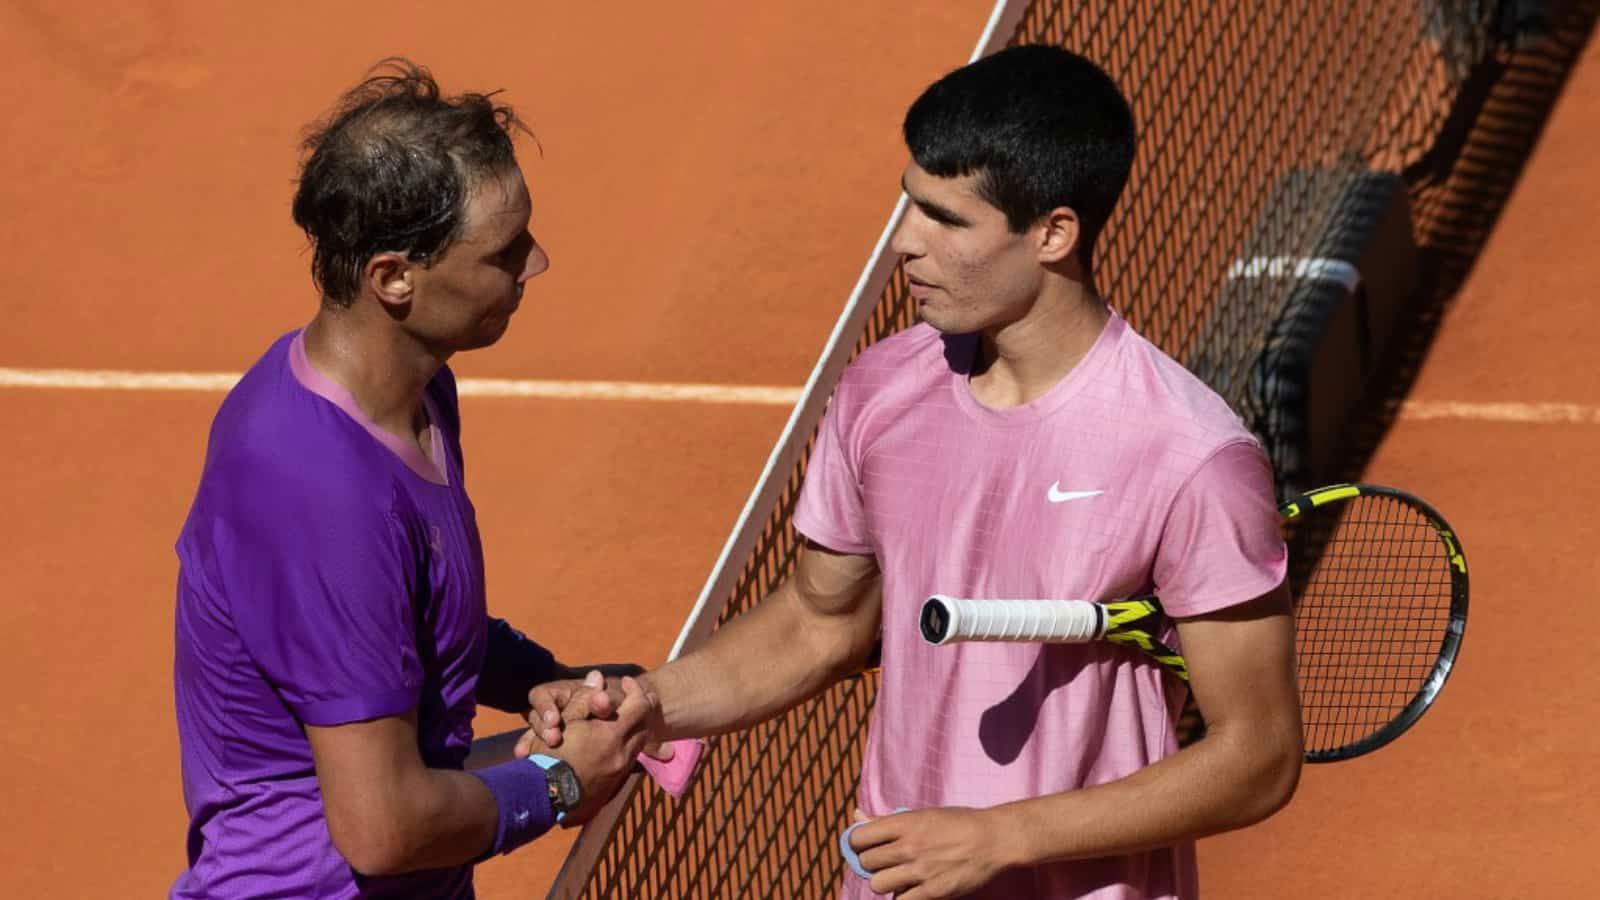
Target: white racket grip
(946, 620)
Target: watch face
(565, 781)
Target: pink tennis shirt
(1129, 475)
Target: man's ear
(389, 277)
(1060, 231)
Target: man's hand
(601, 751)
(548, 700)
(930, 853)
(587, 692)
(555, 703)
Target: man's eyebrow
(931, 209)
(506, 244)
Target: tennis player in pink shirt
(1023, 441)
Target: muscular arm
(388, 813)
(1241, 665)
(816, 627)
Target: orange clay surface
(713, 175)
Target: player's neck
(1020, 361)
(384, 369)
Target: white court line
(111, 380)
(1529, 413)
(216, 382)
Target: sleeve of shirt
(1223, 543)
(512, 665)
(830, 510)
(321, 586)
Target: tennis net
(1257, 123)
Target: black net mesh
(1259, 122)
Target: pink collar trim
(332, 391)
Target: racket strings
(1376, 596)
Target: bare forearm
(1222, 782)
(758, 665)
(435, 818)
(1241, 666)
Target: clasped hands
(598, 724)
(918, 855)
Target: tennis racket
(1379, 583)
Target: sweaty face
(466, 298)
(968, 270)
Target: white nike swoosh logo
(1057, 495)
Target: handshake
(605, 722)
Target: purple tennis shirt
(329, 573)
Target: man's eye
(510, 252)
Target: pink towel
(674, 774)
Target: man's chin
(944, 324)
(493, 331)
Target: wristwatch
(565, 791)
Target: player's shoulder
(262, 410)
(277, 443)
(894, 373)
(905, 360)
(1173, 402)
(906, 345)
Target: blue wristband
(851, 858)
(523, 799)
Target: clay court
(709, 179)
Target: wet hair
(1041, 127)
(391, 170)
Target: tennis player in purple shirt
(332, 634)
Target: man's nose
(900, 243)
(538, 261)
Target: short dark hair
(391, 169)
(1040, 126)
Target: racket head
(1380, 587)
